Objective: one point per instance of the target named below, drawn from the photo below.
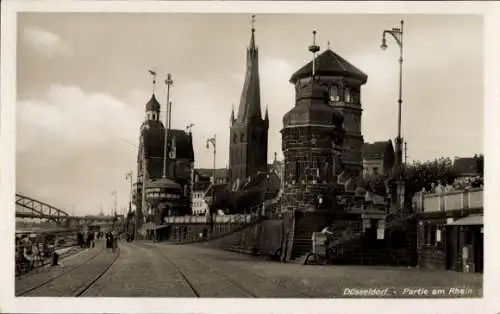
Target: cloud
(46, 43)
(69, 148)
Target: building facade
(150, 167)
(378, 158)
(248, 130)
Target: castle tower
(312, 142)
(343, 81)
(248, 130)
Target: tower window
(334, 93)
(347, 95)
(242, 137)
(235, 138)
(355, 97)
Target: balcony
(448, 201)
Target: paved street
(160, 270)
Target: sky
(82, 86)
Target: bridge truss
(27, 207)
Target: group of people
(30, 253)
(458, 184)
(111, 240)
(86, 239)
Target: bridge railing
(446, 201)
(236, 218)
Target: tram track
(183, 274)
(55, 288)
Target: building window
(242, 137)
(334, 93)
(375, 170)
(347, 95)
(355, 97)
(235, 139)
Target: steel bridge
(27, 207)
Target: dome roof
(153, 104)
(312, 108)
(330, 63)
(164, 183)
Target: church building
(248, 130)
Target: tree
(418, 175)
(480, 163)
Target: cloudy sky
(83, 83)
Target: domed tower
(343, 82)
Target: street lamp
(213, 142)
(128, 176)
(114, 194)
(397, 34)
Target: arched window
(235, 138)
(355, 97)
(242, 137)
(334, 93)
(347, 95)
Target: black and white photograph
(247, 154)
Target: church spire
(249, 107)
(232, 116)
(267, 114)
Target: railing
(446, 201)
(240, 218)
(41, 248)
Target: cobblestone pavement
(161, 270)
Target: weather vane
(253, 22)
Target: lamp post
(128, 176)
(115, 201)
(213, 142)
(397, 34)
(169, 82)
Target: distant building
(200, 187)
(221, 174)
(467, 167)
(378, 158)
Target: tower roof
(312, 108)
(330, 63)
(250, 95)
(153, 104)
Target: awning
(473, 220)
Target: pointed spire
(232, 116)
(249, 107)
(328, 45)
(252, 38)
(267, 114)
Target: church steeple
(249, 107)
(248, 131)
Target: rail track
(189, 283)
(74, 286)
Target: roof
(473, 220)
(163, 183)
(220, 189)
(330, 63)
(249, 107)
(153, 104)
(219, 173)
(376, 150)
(312, 107)
(466, 166)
